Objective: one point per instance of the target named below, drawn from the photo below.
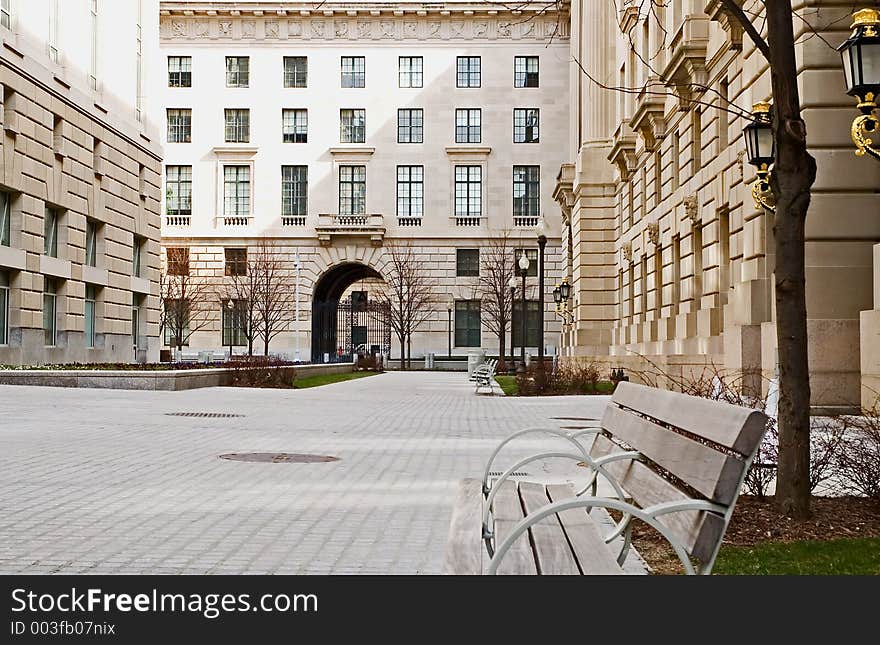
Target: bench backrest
(693, 448)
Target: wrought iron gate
(344, 329)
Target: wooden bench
(673, 461)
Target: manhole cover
(204, 415)
(574, 418)
(278, 458)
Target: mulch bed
(756, 521)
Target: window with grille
(89, 315)
(237, 71)
(532, 255)
(410, 128)
(467, 125)
(525, 71)
(410, 74)
(295, 126)
(468, 191)
(467, 263)
(352, 126)
(296, 71)
(294, 190)
(353, 71)
(178, 190)
(234, 323)
(467, 323)
(178, 260)
(235, 261)
(91, 243)
(410, 191)
(468, 71)
(525, 125)
(238, 125)
(180, 71)
(236, 191)
(352, 190)
(4, 307)
(50, 312)
(533, 323)
(5, 218)
(526, 188)
(50, 232)
(179, 125)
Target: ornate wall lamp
(861, 69)
(761, 152)
(562, 296)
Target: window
(294, 190)
(526, 191)
(467, 71)
(353, 71)
(238, 125)
(137, 251)
(352, 190)
(525, 71)
(139, 64)
(91, 243)
(532, 255)
(178, 190)
(50, 232)
(179, 125)
(295, 126)
(237, 71)
(4, 307)
(177, 315)
(296, 71)
(89, 315)
(178, 260)
(525, 125)
(235, 262)
(93, 58)
(696, 140)
(50, 312)
(234, 322)
(352, 126)
(54, 20)
(5, 14)
(236, 190)
(467, 323)
(467, 263)
(533, 323)
(723, 115)
(410, 126)
(410, 191)
(135, 320)
(410, 71)
(5, 219)
(467, 125)
(468, 191)
(180, 71)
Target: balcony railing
(409, 221)
(293, 220)
(467, 220)
(526, 221)
(344, 225)
(236, 220)
(177, 221)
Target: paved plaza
(96, 481)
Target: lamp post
(297, 265)
(512, 284)
(761, 153)
(861, 69)
(230, 305)
(541, 232)
(449, 328)
(523, 269)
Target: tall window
(525, 71)
(676, 159)
(723, 115)
(238, 125)
(180, 71)
(5, 14)
(676, 273)
(352, 190)
(179, 125)
(50, 232)
(467, 323)
(178, 260)
(235, 261)
(467, 71)
(526, 191)
(139, 63)
(178, 190)
(237, 71)
(410, 125)
(697, 263)
(467, 125)
(468, 191)
(696, 139)
(89, 315)
(234, 321)
(5, 219)
(410, 74)
(138, 246)
(91, 243)
(179, 311)
(54, 20)
(467, 263)
(296, 71)
(533, 323)
(93, 58)
(410, 191)
(135, 319)
(294, 190)
(236, 191)
(352, 126)
(4, 307)
(532, 255)
(525, 125)
(353, 71)
(50, 312)
(295, 126)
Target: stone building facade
(671, 260)
(452, 118)
(79, 182)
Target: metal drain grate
(278, 458)
(204, 415)
(574, 418)
(498, 473)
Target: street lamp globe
(523, 262)
(861, 59)
(512, 282)
(541, 229)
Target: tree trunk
(402, 340)
(251, 346)
(409, 351)
(266, 347)
(502, 355)
(793, 175)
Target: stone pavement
(96, 481)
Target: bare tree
(242, 287)
(274, 293)
(496, 303)
(187, 304)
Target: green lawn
(508, 384)
(858, 556)
(327, 379)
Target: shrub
(260, 371)
(857, 462)
(370, 362)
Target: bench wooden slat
(698, 531)
(507, 512)
(464, 549)
(587, 543)
(737, 428)
(710, 472)
(553, 555)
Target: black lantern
(760, 145)
(565, 290)
(557, 295)
(861, 59)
